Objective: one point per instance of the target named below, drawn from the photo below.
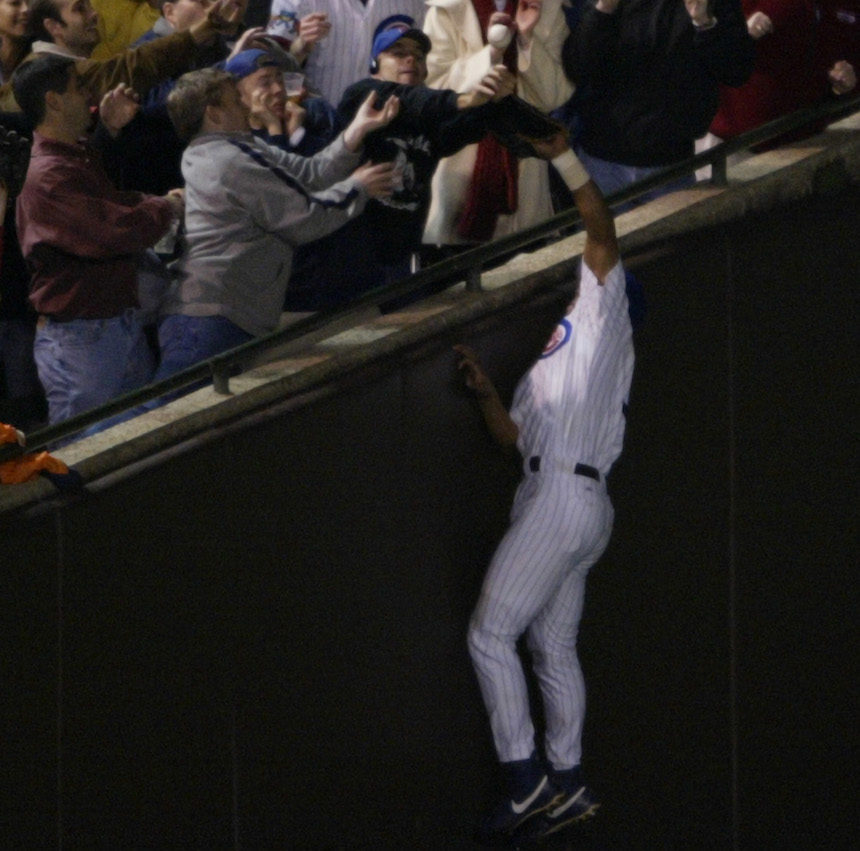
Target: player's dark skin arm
(502, 428)
(601, 244)
(600, 254)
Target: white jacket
(458, 60)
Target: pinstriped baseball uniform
(343, 57)
(570, 411)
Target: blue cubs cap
(394, 28)
(248, 61)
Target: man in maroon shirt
(80, 237)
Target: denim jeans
(613, 177)
(186, 340)
(86, 362)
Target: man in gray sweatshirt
(248, 205)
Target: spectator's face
(77, 28)
(75, 106)
(268, 80)
(183, 14)
(13, 18)
(404, 63)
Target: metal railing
(467, 266)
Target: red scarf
(493, 190)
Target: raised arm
(601, 244)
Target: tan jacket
(139, 67)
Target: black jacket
(650, 79)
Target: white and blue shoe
(506, 817)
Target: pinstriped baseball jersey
(343, 56)
(570, 405)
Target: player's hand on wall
(473, 373)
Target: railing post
(221, 379)
(719, 170)
(473, 279)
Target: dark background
(260, 643)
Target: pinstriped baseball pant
(561, 525)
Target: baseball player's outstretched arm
(601, 245)
(502, 428)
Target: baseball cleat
(508, 814)
(572, 807)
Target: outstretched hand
(378, 180)
(251, 39)
(526, 18)
(496, 84)
(118, 107)
(369, 118)
(222, 16)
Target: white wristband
(571, 170)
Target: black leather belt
(579, 469)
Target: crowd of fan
(192, 175)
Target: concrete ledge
(322, 363)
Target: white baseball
(499, 36)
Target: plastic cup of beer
(293, 85)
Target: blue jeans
(186, 340)
(85, 363)
(613, 177)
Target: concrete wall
(261, 637)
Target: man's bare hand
(296, 116)
(496, 84)
(222, 16)
(526, 18)
(379, 180)
(251, 39)
(262, 112)
(500, 31)
(313, 28)
(369, 118)
(176, 198)
(759, 24)
(843, 78)
(118, 107)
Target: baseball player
(567, 421)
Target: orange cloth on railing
(28, 466)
